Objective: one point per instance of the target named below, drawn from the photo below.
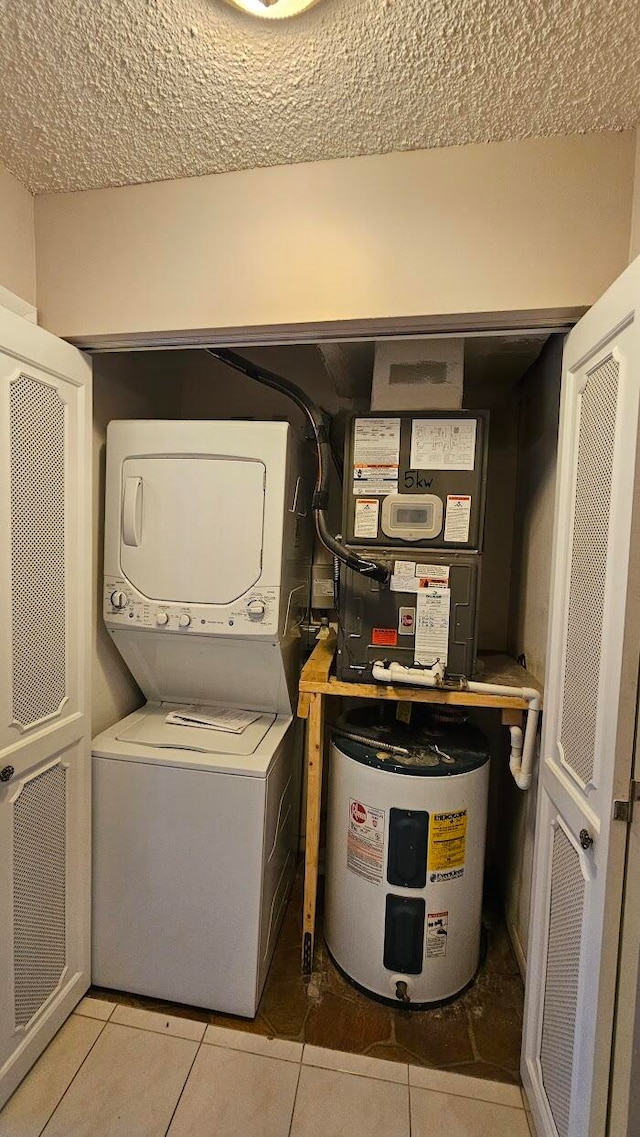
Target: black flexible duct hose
(316, 417)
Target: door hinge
(623, 810)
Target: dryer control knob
(119, 599)
(184, 620)
(256, 609)
(162, 619)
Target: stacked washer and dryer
(196, 795)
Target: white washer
(193, 856)
(207, 556)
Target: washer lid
(153, 730)
(371, 736)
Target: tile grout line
(471, 1097)
(466, 1097)
(357, 1073)
(66, 1091)
(184, 1086)
(295, 1096)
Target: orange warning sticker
(384, 637)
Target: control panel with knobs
(254, 614)
(256, 609)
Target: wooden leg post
(315, 745)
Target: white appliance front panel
(191, 527)
(187, 919)
(206, 669)
(195, 514)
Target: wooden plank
(414, 694)
(504, 670)
(511, 717)
(316, 670)
(315, 749)
(303, 705)
(498, 669)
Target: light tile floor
(118, 1071)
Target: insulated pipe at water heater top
(522, 754)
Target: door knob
(586, 840)
(6, 773)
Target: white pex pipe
(522, 751)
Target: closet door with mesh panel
(45, 564)
(588, 728)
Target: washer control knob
(256, 609)
(184, 620)
(119, 599)
(161, 619)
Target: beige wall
(518, 225)
(634, 245)
(539, 403)
(539, 408)
(124, 386)
(17, 238)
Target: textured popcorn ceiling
(110, 92)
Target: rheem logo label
(358, 812)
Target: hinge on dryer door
(623, 810)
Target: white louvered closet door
(45, 565)
(587, 736)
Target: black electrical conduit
(318, 422)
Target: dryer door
(191, 527)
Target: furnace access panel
(429, 612)
(416, 480)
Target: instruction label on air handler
(447, 845)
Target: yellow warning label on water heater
(447, 840)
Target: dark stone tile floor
(479, 1034)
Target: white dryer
(207, 554)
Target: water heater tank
(405, 853)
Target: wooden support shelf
(317, 682)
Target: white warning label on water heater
(437, 934)
(365, 841)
